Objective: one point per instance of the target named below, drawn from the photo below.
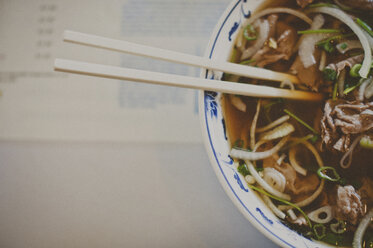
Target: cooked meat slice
(348, 204)
(342, 119)
(350, 62)
(310, 76)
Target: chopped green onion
(246, 62)
(364, 26)
(329, 74)
(320, 231)
(249, 33)
(349, 89)
(366, 142)
(327, 43)
(354, 72)
(319, 31)
(317, 5)
(335, 89)
(301, 121)
(283, 201)
(323, 174)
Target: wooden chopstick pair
(114, 72)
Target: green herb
(339, 240)
(329, 74)
(343, 46)
(351, 88)
(335, 90)
(249, 33)
(243, 170)
(354, 72)
(324, 173)
(319, 31)
(366, 142)
(364, 26)
(320, 231)
(301, 121)
(327, 43)
(246, 62)
(283, 201)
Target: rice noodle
(308, 200)
(315, 215)
(279, 10)
(312, 149)
(345, 18)
(273, 124)
(264, 184)
(280, 159)
(348, 154)
(291, 214)
(253, 126)
(262, 37)
(368, 93)
(248, 155)
(273, 207)
(294, 163)
(359, 233)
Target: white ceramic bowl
(216, 142)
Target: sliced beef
(342, 119)
(349, 62)
(348, 204)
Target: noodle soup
(309, 162)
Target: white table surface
(59, 194)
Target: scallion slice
(364, 26)
(249, 33)
(323, 173)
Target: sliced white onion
(281, 131)
(308, 42)
(238, 103)
(368, 93)
(359, 233)
(248, 155)
(273, 207)
(347, 45)
(280, 159)
(274, 178)
(273, 124)
(345, 18)
(294, 163)
(262, 37)
(315, 215)
(264, 184)
(268, 11)
(363, 87)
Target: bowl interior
(215, 139)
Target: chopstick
(120, 73)
(177, 57)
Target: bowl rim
(208, 143)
